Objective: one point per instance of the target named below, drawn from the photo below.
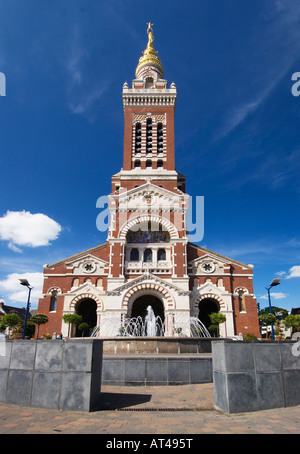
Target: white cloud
(294, 272)
(276, 296)
(239, 113)
(280, 273)
(22, 228)
(237, 116)
(15, 293)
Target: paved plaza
(186, 409)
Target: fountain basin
(156, 369)
(157, 345)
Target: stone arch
(211, 296)
(78, 298)
(152, 288)
(149, 218)
(241, 289)
(54, 289)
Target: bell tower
(149, 108)
(148, 203)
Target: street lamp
(26, 284)
(273, 284)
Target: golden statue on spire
(149, 56)
(150, 34)
(150, 48)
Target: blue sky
(237, 127)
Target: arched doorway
(87, 309)
(150, 325)
(139, 307)
(206, 307)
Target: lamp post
(26, 284)
(273, 284)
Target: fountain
(154, 350)
(150, 323)
(151, 326)
(151, 334)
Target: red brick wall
(244, 322)
(128, 116)
(64, 283)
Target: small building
(5, 309)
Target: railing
(162, 266)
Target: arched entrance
(206, 307)
(148, 322)
(139, 306)
(87, 309)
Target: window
(161, 254)
(149, 82)
(160, 139)
(242, 303)
(148, 163)
(138, 138)
(160, 163)
(149, 234)
(148, 255)
(149, 136)
(53, 302)
(134, 255)
(137, 164)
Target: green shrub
(250, 337)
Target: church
(148, 258)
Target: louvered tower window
(138, 138)
(149, 136)
(160, 145)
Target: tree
(72, 319)
(30, 329)
(216, 319)
(39, 319)
(267, 318)
(292, 321)
(279, 312)
(83, 327)
(11, 321)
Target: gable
(198, 255)
(88, 264)
(99, 250)
(149, 194)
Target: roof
(101, 246)
(219, 255)
(295, 311)
(80, 254)
(4, 309)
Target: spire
(149, 58)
